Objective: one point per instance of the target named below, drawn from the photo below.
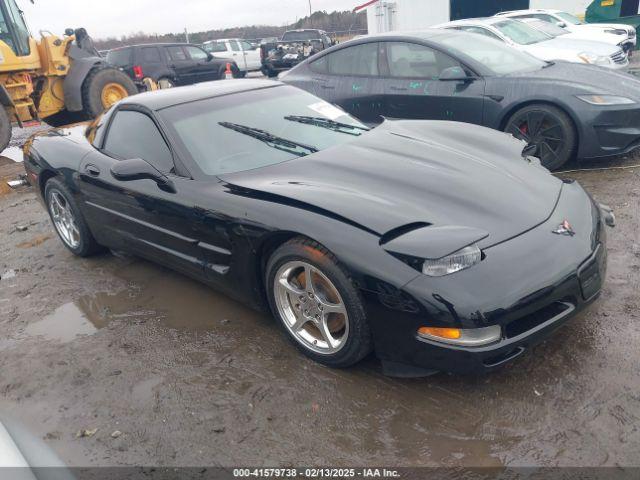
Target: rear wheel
(317, 304)
(549, 129)
(237, 73)
(5, 128)
(166, 83)
(103, 87)
(68, 220)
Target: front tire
(68, 220)
(103, 87)
(550, 129)
(317, 304)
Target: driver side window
(135, 135)
(411, 60)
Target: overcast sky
(103, 18)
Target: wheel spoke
(292, 289)
(308, 281)
(534, 123)
(516, 132)
(323, 326)
(300, 322)
(332, 307)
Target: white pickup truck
(245, 56)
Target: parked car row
(169, 64)
(526, 77)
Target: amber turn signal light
(467, 337)
(448, 333)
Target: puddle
(153, 294)
(64, 325)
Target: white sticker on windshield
(327, 110)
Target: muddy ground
(191, 378)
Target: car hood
(589, 79)
(566, 48)
(595, 36)
(602, 26)
(404, 172)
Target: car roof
(159, 99)
(530, 10)
(475, 21)
(155, 45)
(425, 34)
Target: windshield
(567, 17)
(14, 31)
(120, 57)
(304, 36)
(520, 33)
(215, 47)
(254, 129)
(548, 28)
(492, 54)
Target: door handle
(327, 87)
(92, 170)
(398, 89)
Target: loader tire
(103, 87)
(5, 128)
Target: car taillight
(138, 73)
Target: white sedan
(626, 34)
(541, 45)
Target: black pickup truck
(294, 47)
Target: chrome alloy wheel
(311, 307)
(64, 220)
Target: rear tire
(103, 87)
(324, 317)
(550, 129)
(237, 73)
(165, 83)
(5, 128)
(72, 229)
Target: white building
(389, 15)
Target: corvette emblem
(565, 228)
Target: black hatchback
(564, 109)
(171, 64)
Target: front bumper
(607, 131)
(530, 286)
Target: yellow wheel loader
(55, 79)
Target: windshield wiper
(273, 141)
(328, 124)
(549, 64)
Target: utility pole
(186, 35)
(310, 14)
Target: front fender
(78, 72)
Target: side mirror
(69, 31)
(562, 24)
(209, 57)
(531, 150)
(454, 74)
(139, 169)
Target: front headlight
(617, 31)
(594, 59)
(460, 260)
(605, 100)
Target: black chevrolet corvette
(437, 245)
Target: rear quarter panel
(56, 153)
